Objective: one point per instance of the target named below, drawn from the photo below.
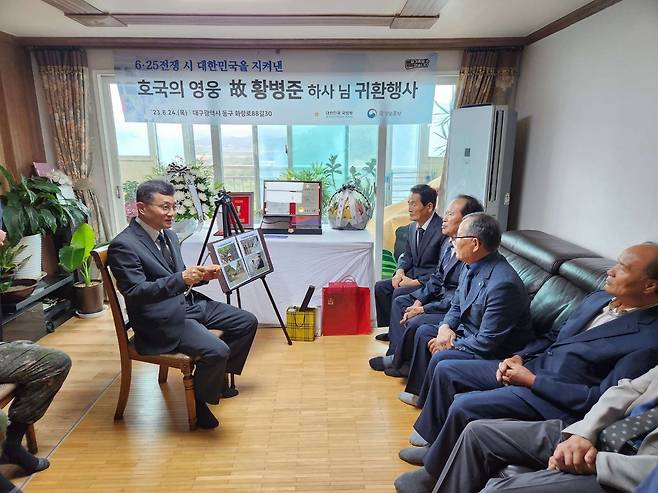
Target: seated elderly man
(420, 256)
(38, 373)
(614, 446)
(560, 376)
(429, 303)
(489, 317)
(165, 313)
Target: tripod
(231, 225)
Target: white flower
(202, 196)
(201, 187)
(187, 203)
(179, 196)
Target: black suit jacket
(419, 261)
(154, 293)
(436, 295)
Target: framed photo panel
(244, 204)
(242, 259)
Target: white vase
(32, 269)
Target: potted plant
(11, 288)
(8, 261)
(77, 257)
(33, 206)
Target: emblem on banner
(412, 63)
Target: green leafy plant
(364, 179)
(8, 264)
(333, 168)
(77, 255)
(35, 206)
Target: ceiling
(365, 18)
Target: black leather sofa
(557, 274)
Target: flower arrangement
(193, 189)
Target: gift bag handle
(347, 278)
(296, 321)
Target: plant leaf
(49, 219)
(8, 176)
(71, 257)
(84, 238)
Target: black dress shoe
(382, 337)
(229, 392)
(398, 372)
(377, 363)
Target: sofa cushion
(587, 273)
(545, 250)
(553, 303)
(532, 276)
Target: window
(239, 170)
(132, 138)
(272, 153)
(417, 152)
(170, 143)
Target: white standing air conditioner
(480, 157)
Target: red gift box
(345, 308)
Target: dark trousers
(487, 446)
(384, 296)
(402, 338)
(214, 357)
(431, 361)
(38, 372)
(421, 357)
(451, 404)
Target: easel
(231, 225)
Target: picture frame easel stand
(231, 225)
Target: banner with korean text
(276, 87)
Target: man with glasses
(165, 314)
(490, 313)
(430, 302)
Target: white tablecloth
(299, 261)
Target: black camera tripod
(232, 226)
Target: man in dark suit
(601, 451)
(559, 376)
(166, 316)
(429, 303)
(489, 317)
(421, 253)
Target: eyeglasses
(165, 207)
(458, 237)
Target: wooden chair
(7, 394)
(128, 353)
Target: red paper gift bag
(345, 308)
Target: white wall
(587, 152)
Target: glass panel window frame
(382, 156)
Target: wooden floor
(311, 417)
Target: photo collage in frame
(242, 259)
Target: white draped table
(299, 261)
